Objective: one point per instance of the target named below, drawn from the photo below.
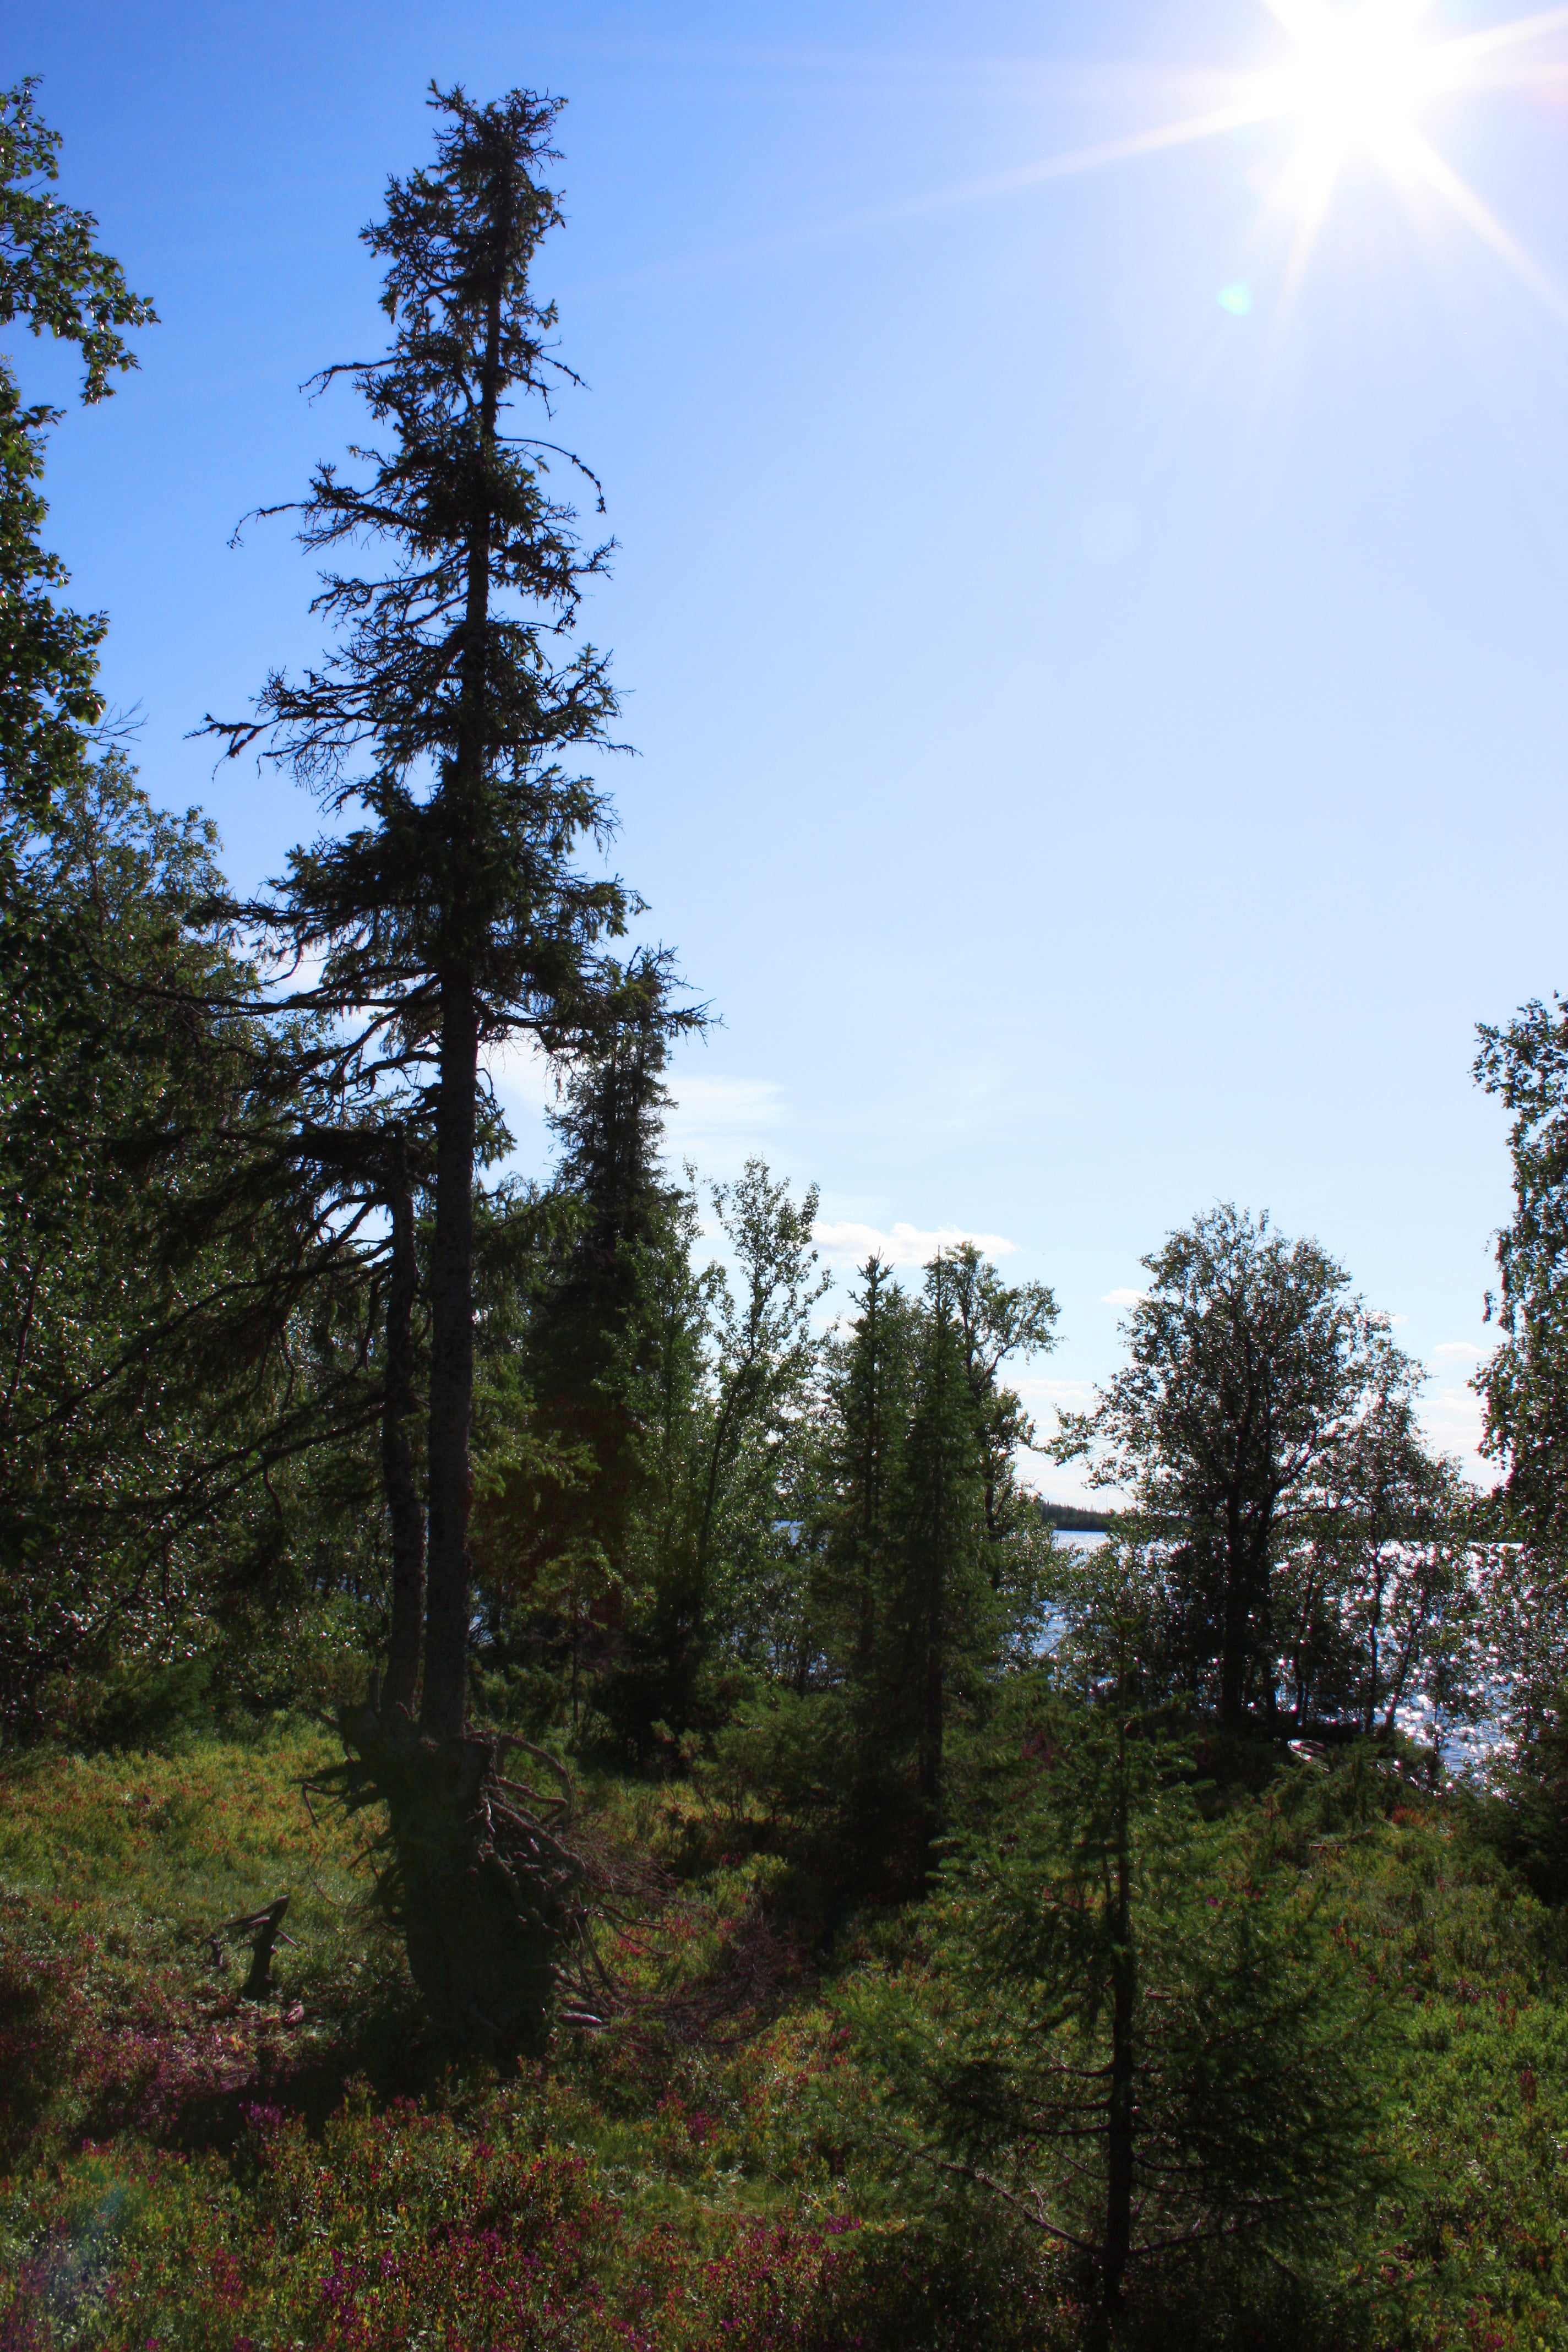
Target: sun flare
(1355, 86)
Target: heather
(190, 2170)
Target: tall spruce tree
(585, 1346)
(455, 916)
(869, 1399)
(944, 1530)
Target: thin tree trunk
(864, 1616)
(1120, 2122)
(933, 1711)
(1244, 1626)
(402, 1505)
(870, 1530)
(1370, 1712)
(933, 1698)
(451, 1362)
(1232, 1623)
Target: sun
(1355, 86)
(1358, 80)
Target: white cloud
(1043, 1392)
(720, 1122)
(723, 1105)
(1452, 1419)
(1069, 1482)
(282, 976)
(1044, 1397)
(1122, 1298)
(1453, 1351)
(707, 1110)
(905, 1245)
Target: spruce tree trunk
(1369, 1714)
(1235, 1622)
(870, 1532)
(932, 1699)
(932, 1714)
(404, 1508)
(1122, 2117)
(934, 1696)
(452, 1260)
(455, 1105)
(451, 1362)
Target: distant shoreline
(1072, 1519)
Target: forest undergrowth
(188, 2171)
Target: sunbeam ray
(1507, 37)
(1456, 191)
(1189, 132)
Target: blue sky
(1099, 746)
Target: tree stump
(264, 1929)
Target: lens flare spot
(1237, 299)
